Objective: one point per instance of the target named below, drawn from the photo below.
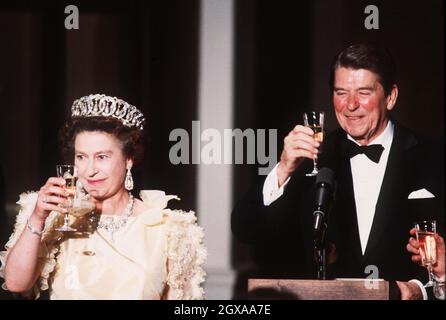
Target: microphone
(324, 191)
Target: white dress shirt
(367, 179)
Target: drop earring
(128, 183)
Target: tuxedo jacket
(281, 233)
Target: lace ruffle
(186, 255)
(48, 249)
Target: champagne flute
(315, 121)
(425, 231)
(69, 173)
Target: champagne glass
(69, 173)
(425, 231)
(315, 121)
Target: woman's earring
(128, 183)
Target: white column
(215, 111)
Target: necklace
(110, 225)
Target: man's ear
(391, 98)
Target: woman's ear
(129, 164)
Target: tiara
(100, 105)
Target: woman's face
(101, 163)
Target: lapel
(393, 181)
(343, 225)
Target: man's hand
(413, 247)
(409, 291)
(298, 144)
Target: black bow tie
(373, 151)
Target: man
(378, 195)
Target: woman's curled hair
(130, 138)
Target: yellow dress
(157, 255)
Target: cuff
(271, 189)
(439, 287)
(439, 279)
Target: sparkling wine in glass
(425, 231)
(69, 173)
(315, 121)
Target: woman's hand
(413, 247)
(50, 196)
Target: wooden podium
(342, 289)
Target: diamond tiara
(100, 105)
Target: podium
(340, 289)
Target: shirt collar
(385, 138)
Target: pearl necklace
(110, 225)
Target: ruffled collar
(155, 203)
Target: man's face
(360, 103)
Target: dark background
(146, 52)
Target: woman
(438, 269)
(127, 248)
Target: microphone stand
(319, 246)
(324, 195)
